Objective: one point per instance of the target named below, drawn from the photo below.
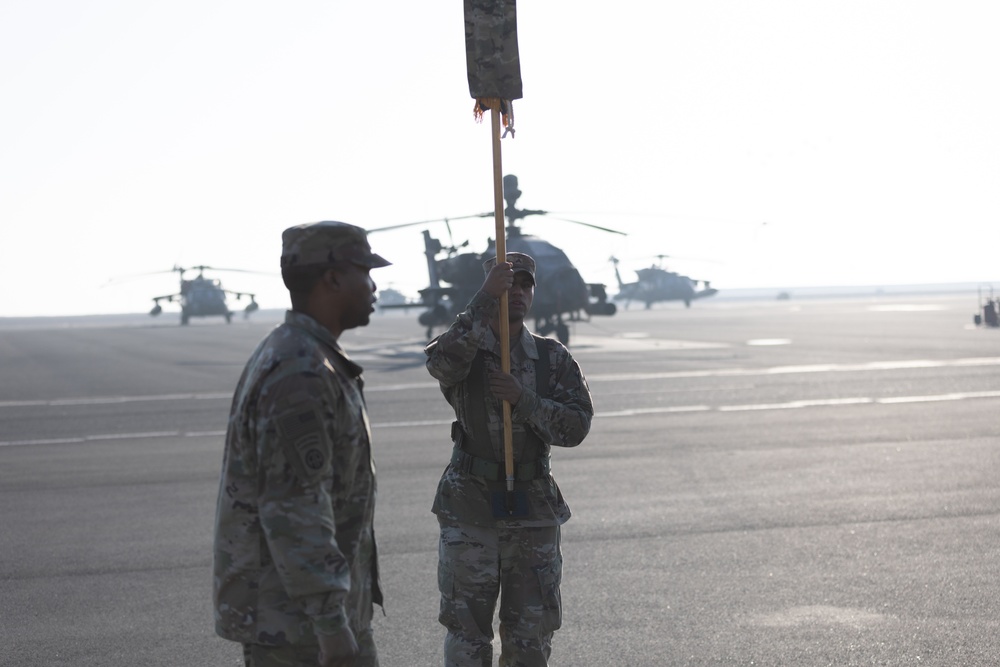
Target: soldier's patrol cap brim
(328, 242)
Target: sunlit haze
(756, 144)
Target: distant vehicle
(199, 296)
(656, 284)
(989, 308)
(561, 293)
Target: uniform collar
(526, 342)
(321, 333)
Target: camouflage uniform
(479, 554)
(295, 551)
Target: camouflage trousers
(521, 566)
(305, 655)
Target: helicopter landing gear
(229, 318)
(185, 318)
(560, 328)
(437, 315)
(562, 333)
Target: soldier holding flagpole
(515, 396)
(491, 548)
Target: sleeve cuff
(326, 611)
(330, 624)
(525, 407)
(486, 303)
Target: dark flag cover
(491, 49)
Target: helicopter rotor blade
(181, 271)
(689, 258)
(262, 273)
(679, 258)
(587, 224)
(202, 267)
(121, 279)
(428, 222)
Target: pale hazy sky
(135, 136)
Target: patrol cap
(325, 243)
(520, 261)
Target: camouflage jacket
(294, 544)
(558, 415)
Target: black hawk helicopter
(657, 284)
(203, 297)
(561, 293)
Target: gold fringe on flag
(506, 107)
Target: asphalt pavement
(781, 483)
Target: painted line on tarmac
(893, 400)
(632, 412)
(92, 438)
(611, 377)
(599, 377)
(113, 400)
(814, 403)
(809, 368)
(957, 396)
(791, 405)
(115, 436)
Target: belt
(494, 470)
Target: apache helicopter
(203, 297)
(561, 293)
(657, 284)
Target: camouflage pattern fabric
(491, 54)
(327, 242)
(561, 419)
(480, 555)
(297, 655)
(295, 549)
(474, 564)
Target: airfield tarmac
(804, 482)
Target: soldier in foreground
(485, 549)
(296, 577)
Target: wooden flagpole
(501, 245)
(494, 82)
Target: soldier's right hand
(499, 279)
(338, 650)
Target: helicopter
(989, 307)
(657, 284)
(561, 293)
(203, 297)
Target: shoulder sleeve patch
(303, 438)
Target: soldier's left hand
(505, 387)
